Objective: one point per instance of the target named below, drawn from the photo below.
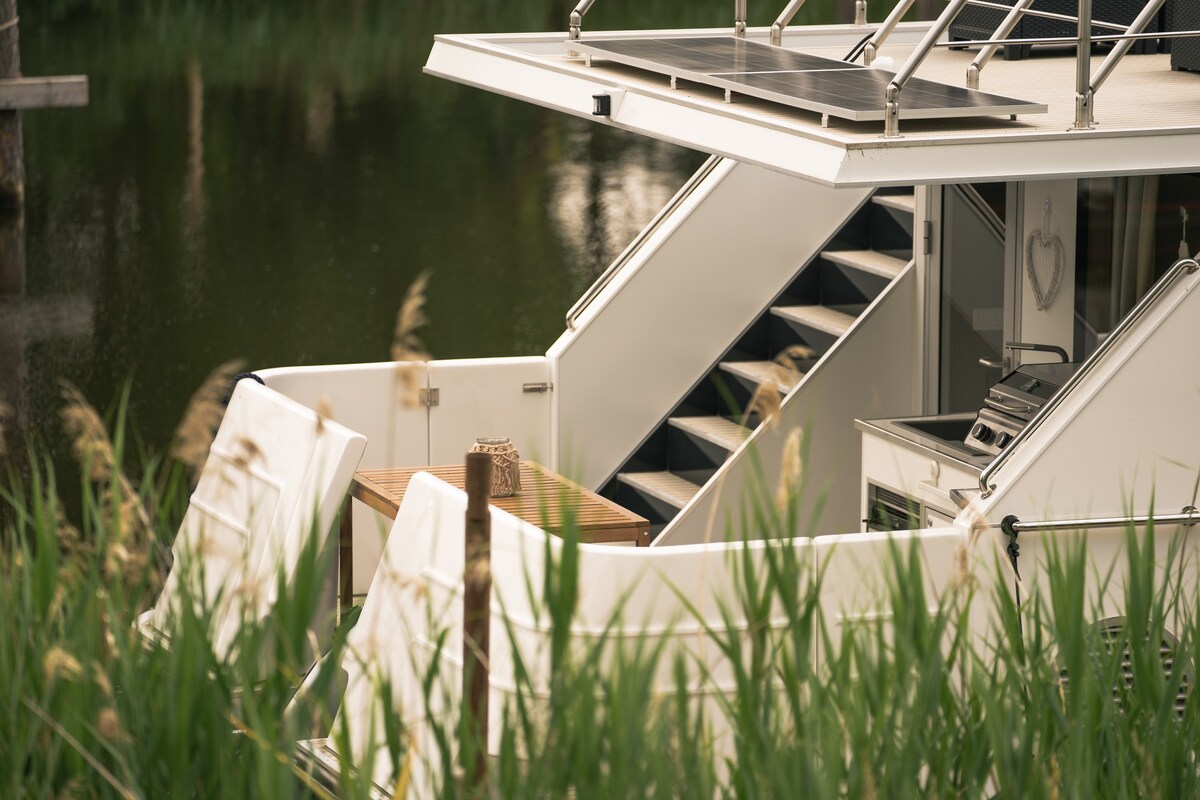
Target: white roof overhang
(535, 68)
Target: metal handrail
(617, 265)
(1188, 265)
(1047, 15)
(885, 30)
(1188, 516)
(985, 55)
(782, 21)
(1114, 37)
(1122, 47)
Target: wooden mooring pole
(22, 320)
(17, 93)
(477, 598)
(12, 148)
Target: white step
(764, 372)
(901, 202)
(871, 261)
(666, 486)
(821, 318)
(718, 430)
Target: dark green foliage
(925, 701)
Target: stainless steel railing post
(891, 124)
(1083, 69)
(860, 12)
(575, 22)
(739, 18)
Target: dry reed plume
(406, 345)
(787, 358)
(976, 522)
(791, 468)
(195, 432)
(128, 544)
(768, 396)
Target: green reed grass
(916, 703)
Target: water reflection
(599, 205)
(267, 185)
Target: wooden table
(546, 500)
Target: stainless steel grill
(1014, 401)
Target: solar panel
(707, 56)
(800, 80)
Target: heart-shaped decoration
(1039, 248)
(1041, 245)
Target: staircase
(779, 348)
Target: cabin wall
(694, 287)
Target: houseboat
(964, 283)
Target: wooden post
(12, 148)
(477, 597)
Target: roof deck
(1147, 116)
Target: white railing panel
(378, 401)
(417, 596)
(489, 397)
(369, 398)
(872, 372)
(857, 570)
(1127, 433)
(1107, 566)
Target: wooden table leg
(346, 558)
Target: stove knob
(981, 432)
(1002, 439)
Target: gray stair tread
(821, 318)
(871, 261)
(900, 202)
(718, 430)
(763, 372)
(666, 486)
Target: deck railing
(1086, 85)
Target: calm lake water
(265, 182)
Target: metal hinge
(429, 397)
(544, 386)
(928, 237)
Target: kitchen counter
(940, 435)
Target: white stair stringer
(672, 304)
(871, 372)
